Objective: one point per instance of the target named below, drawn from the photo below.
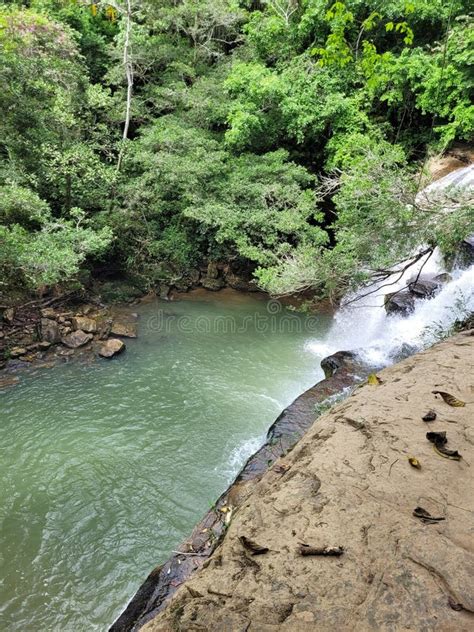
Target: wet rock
(399, 302)
(50, 331)
(111, 348)
(85, 324)
(337, 361)
(76, 339)
(212, 284)
(465, 256)
(126, 330)
(9, 315)
(428, 285)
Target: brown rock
(16, 352)
(9, 315)
(50, 330)
(48, 312)
(76, 339)
(84, 323)
(126, 330)
(111, 348)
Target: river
(107, 466)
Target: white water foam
(364, 326)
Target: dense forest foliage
(146, 137)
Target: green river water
(106, 467)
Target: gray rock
(50, 330)
(111, 348)
(76, 339)
(84, 323)
(428, 284)
(399, 302)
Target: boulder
(84, 323)
(340, 360)
(212, 284)
(111, 348)
(124, 329)
(399, 302)
(50, 330)
(76, 339)
(428, 285)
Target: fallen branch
(335, 551)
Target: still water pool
(105, 468)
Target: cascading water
(380, 338)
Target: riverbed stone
(399, 302)
(77, 339)
(16, 352)
(111, 348)
(9, 315)
(84, 323)
(50, 330)
(124, 329)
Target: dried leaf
(425, 516)
(374, 380)
(414, 462)
(439, 440)
(253, 546)
(450, 399)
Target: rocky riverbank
(40, 336)
(365, 483)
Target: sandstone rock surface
(348, 483)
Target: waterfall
(380, 338)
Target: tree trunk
(127, 62)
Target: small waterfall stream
(379, 338)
